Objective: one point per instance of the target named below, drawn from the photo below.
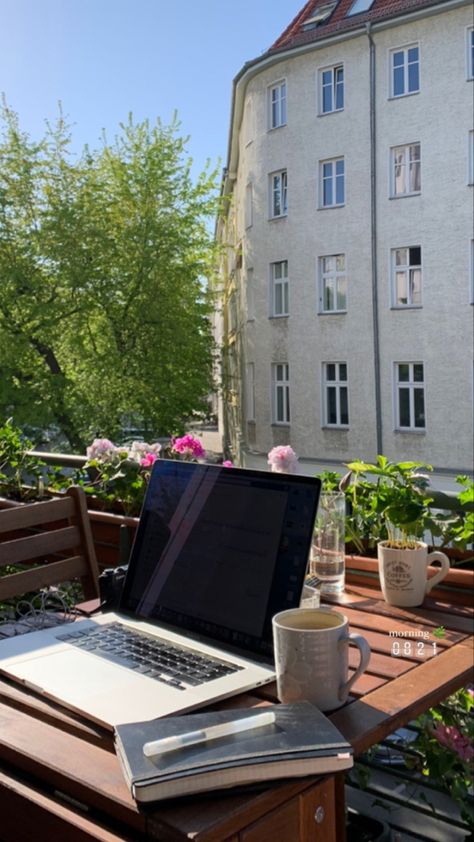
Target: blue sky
(105, 58)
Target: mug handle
(364, 650)
(439, 576)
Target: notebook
(302, 741)
(217, 553)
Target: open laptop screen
(220, 550)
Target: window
(360, 6)
(406, 277)
(332, 284)
(471, 158)
(470, 53)
(281, 393)
(405, 71)
(279, 288)
(406, 170)
(410, 396)
(249, 205)
(335, 397)
(250, 392)
(277, 105)
(250, 295)
(332, 183)
(278, 194)
(320, 14)
(331, 89)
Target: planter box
(458, 584)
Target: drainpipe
(373, 238)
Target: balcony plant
(399, 509)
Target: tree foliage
(103, 310)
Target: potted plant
(399, 505)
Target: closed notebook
(301, 741)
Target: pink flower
(148, 460)
(102, 449)
(451, 737)
(283, 460)
(188, 446)
(140, 449)
(228, 464)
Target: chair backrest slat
(41, 544)
(42, 577)
(35, 514)
(44, 532)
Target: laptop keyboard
(171, 664)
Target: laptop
(217, 553)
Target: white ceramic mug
(404, 573)
(311, 656)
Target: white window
(335, 395)
(278, 194)
(471, 272)
(470, 53)
(405, 70)
(332, 188)
(331, 89)
(410, 396)
(249, 205)
(471, 158)
(250, 295)
(360, 6)
(406, 169)
(250, 392)
(332, 284)
(281, 393)
(279, 296)
(277, 105)
(406, 277)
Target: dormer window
(360, 6)
(320, 14)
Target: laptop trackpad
(74, 676)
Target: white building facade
(347, 273)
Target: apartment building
(348, 261)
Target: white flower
(283, 460)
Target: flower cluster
(188, 446)
(451, 737)
(283, 460)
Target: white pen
(205, 735)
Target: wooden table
(60, 778)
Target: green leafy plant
(444, 749)
(388, 502)
(21, 476)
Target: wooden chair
(56, 546)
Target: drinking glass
(327, 548)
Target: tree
(103, 310)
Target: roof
(339, 22)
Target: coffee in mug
(311, 656)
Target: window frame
(248, 205)
(283, 175)
(406, 163)
(282, 282)
(277, 85)
(404, 48)
(250, 391)
(408, 268)
(352, 11)
(282, 384)
(470, 53)
(333, 161)
(337, 274)
(470, 158)
(338, 384)
(333, 68)
(411, 384)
